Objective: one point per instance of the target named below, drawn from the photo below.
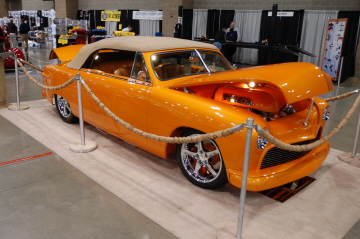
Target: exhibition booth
(152, 109)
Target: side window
(139, 70)
(110, 61)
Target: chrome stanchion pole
(18, 106)
(81, 147)
(354, 151)
(339, 78)
(17, 81)
(249, 126)
(81, 119)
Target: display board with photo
(333, 46)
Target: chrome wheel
(63, 106)
(202, 163)
(64, 110)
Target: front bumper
(264, 179)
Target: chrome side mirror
(234, 66)
(142, 76)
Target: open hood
(297, 81)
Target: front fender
(172, 109)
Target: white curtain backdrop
(313, 34)
(248, 23)
(199, 22)
(110, 27)
(149, 27)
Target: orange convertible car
(175, 87)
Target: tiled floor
(48, 198)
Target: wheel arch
(177, 132)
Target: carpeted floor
(326, 209)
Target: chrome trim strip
(130, 80)
(202, 60)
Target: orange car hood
(65, 53)
(297, 80)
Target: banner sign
(333, 46)
(147, 15)
(110, 16)
(282, 14)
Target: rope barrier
(342, 96)
(307, 147)
(31, 65)
(44, 86)
(172, 140)
(209, 136)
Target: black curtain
(160, 26)
(350, 43)
(226, 17)
(213, 23)
(126, 19)
(95, 19)
(187, 24)
(287, 32)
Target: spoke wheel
(202, 163)
(64, 110)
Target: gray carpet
(326, 209)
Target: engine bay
(262, 99)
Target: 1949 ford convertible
(174, 87)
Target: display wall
(350, 5)
(121, 4)
(36, 5)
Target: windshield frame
(198, 53)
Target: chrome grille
(276, 156)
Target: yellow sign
(112, 16)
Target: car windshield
(168, 65)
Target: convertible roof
(135, 43)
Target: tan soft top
(135, 43)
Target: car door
(104, 87)
(131, 102)
(122, 85)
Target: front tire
(64, 110)
(202, 163)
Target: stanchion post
(18, 106)
(354, 151)
(81, 147)
(81, 120)
(17, 81)
(249, 125)
(339, 78)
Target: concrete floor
(46, 197)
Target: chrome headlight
(326, 113)
(261, 143)
(237, 99)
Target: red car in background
(5, 40)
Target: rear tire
(64, 110)
(202, 163)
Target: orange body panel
(163, 108)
